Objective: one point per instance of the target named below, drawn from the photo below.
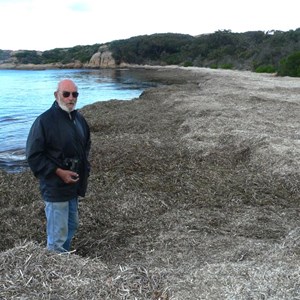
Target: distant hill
(273, 52)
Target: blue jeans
(62, 223)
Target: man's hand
(67, 176)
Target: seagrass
(193, 194)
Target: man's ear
(55, 94)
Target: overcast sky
(48, 24)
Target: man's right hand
(67, 176)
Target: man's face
(66, 96)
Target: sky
(48, 24)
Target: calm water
(26, 94)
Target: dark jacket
(56, 138)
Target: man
(57, 152)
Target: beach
(193, 194)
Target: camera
(72, 164)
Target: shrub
(214, 66)
(290, 66)
(265, 69)
(227, 66)
(187, 64)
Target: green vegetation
(265, 69)
(29, 57)
(68, 55)
(256, 51)
(290, 66)
(271, 52)
(63, 55)
(163, 49)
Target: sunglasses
(67, 94)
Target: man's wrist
(58, 171)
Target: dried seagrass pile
(194, 194)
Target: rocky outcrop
(102, 59)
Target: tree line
(272, 51)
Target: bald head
(66, 94)
(66, 84)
